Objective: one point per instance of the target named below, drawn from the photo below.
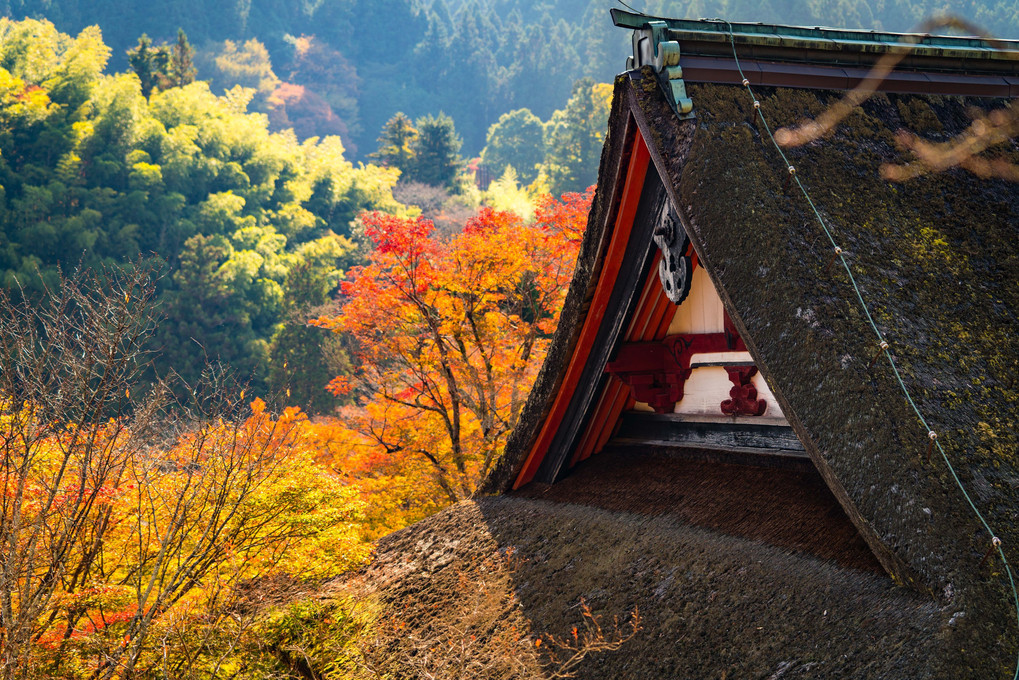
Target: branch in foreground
(986, 131)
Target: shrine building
(713, 337)
(779, 415)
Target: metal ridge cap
(722, 71)
(777, 41)
(715, 30)
(930, 58)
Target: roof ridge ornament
(652, 48)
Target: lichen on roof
(936, 261)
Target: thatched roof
(936, 261)
(492, 575)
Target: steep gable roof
(934, 259)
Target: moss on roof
(936, 260)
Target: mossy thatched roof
(936, 260)
(471, 589)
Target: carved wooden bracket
(657, 371)
(743, 395)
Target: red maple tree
(449, 334)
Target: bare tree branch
(986, 131)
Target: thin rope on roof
(883, 346)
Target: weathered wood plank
(668, 430)
(754, 457)
(702, 311)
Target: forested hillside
(253, 230)
(249, 225)
(161, 255)
(347, 66)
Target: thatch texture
(937, 262)
(506, 570)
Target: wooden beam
(650, 293)
(721, 435)
(601, 414)
(638, 254)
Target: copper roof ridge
(722, 71)
(827, 46)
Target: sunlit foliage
(128, 528)
(449, 334)
(517, 140)
(91, 172)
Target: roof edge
(615, 159)
(841, 47)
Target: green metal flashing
(653, 47)
(828, 46)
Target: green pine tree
(149, 63)
(574, 137)
(182, 67)
(396, 143)
(303, 359)
(437, 148)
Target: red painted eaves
(632, 187)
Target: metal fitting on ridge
(651, 47)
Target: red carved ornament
(743, 399)
(656, 372)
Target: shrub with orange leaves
(170, 534)
(449, 335)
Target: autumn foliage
(116, 553)
(449, 335)
(128, 522)
(134, 527)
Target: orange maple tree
(166, 532)
(449, 335)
